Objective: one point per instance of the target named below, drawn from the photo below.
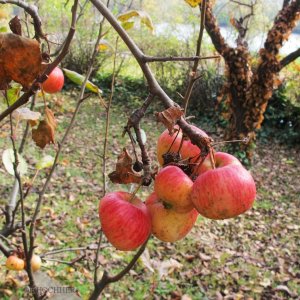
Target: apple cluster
(219, 190)
(13, 262)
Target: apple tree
(190, 165)
(249, 84)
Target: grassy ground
(254, 256)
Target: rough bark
(248, 88)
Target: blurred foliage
(282, 118)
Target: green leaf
(13, 93)
(45, 162)
(143, 17)
(3, 29)
(8, 159)
(78, 79)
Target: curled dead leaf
(45, 133)
(169, 117)
(20, 60)
(124, 172)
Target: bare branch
(134, 121)
(193, 73)
(154, 86)
(4, 249)
(289, 58)
(32, 10)
(107, 119)
(106, 279)
(174, 58)
(241, 3)
(36, 85)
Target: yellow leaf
(143, 16)
(193, 3)
(128, 15)
(105, 46)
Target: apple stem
(212, 157)
(135, 191)
(174, 141)
(181, 143)
(198, 164)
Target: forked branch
(32, 10)
(36, 84)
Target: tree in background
(250, 84)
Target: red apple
(54, 82)
(188, 150)
(125, 222)
(173, 186)
(167, 224)
(224, 192)
(221, 159)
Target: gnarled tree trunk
(249, 88)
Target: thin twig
(107, 122)
(153, 85)
(68, 250)
(32, 10)
(174, 58)
(36, 84)
(106, 279)
(97, 257)
(193, 73)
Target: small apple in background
(15, 263)
(173, 186)
(224, 192)
(127, 225)
(36, 263)
(54, 82)
(188, 150)
(167, 224)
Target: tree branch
(213, 30)
(154, 87)
(174, 58)
(4, 249)
(289, 58)
(193, 73)
(106, 279)
(32, 10)
(36, 84)
(134, 121)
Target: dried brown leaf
(169, 117)
(124, 172)
(15, 25)
(20, 60)
(45, 133)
